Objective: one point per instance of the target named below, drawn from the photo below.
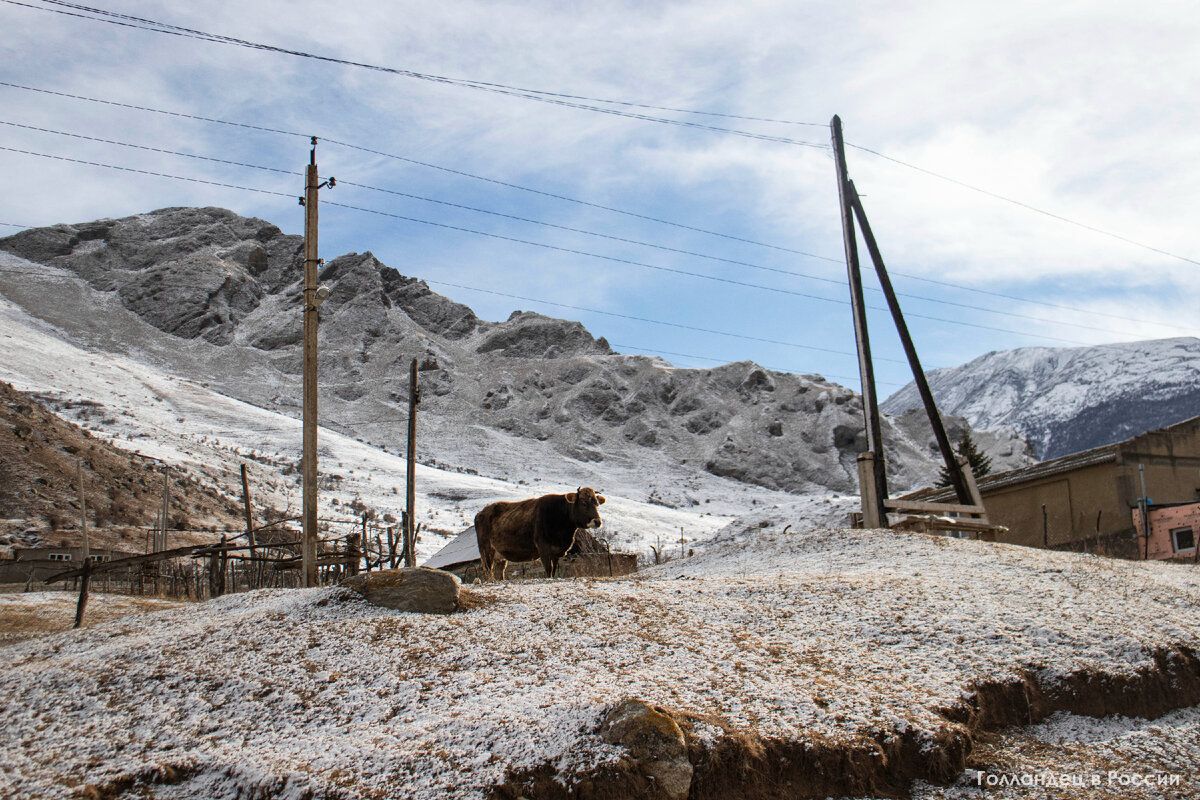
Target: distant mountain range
(1068, 399)
(214, 296)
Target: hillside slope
(41, 457)
(809, 663)
(1068, 399)
(214, 296)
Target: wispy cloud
(1080, 109)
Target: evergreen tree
(980, 464)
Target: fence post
(352, 554)
(83, 593)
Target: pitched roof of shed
(459, 550)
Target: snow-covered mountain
(214, 297)
(1068, 399)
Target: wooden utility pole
(308, 467)
(166, 508)
(83, 546)
(874, 513)
(957, 480)
(366, 548)
(252, 572)
(410, 493)
(84, 580)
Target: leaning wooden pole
(957, 480)
(308, 547)
(874, 513)
(410, 493)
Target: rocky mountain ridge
(1068, 399)
(224, 289)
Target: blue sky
(1082, 109)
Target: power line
(673, 270)
(651, 321)
(154, 26)
(611, 209)
(1025, 206)
(145, 171)
(552, 98)
(528, 220)
(611, 237)
(149, 148)
(556, 248)
(723, 361)
(427, 165)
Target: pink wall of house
(1163, 521)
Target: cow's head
(585, 507)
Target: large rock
(655, 741)
(420, 589)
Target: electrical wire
(145, 171)
(724, 361)
(649, 320)
(611, 209)
(1026, 206)
(153, 26)
(555, 248)
(555, 226)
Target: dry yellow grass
(55, 611)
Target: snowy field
(816, 635)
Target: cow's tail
(483, 541)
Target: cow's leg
(503, 567)
(485, 562)
(549, 564)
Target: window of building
(1182, 539)
(59, 556)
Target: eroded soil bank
(737, 763)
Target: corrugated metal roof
(462, 548)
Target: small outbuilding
(1085, 501)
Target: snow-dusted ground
(1068, 756)
(812, 634)
(146, 409)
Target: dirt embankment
(40, 456)
(740, 764)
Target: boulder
(420, 589)
(655, 741)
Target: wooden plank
(936, 508)
(962, 524)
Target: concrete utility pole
(312, 299)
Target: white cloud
(1079, 108)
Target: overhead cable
(598, 206)
(154, 26)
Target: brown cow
(540, 527)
